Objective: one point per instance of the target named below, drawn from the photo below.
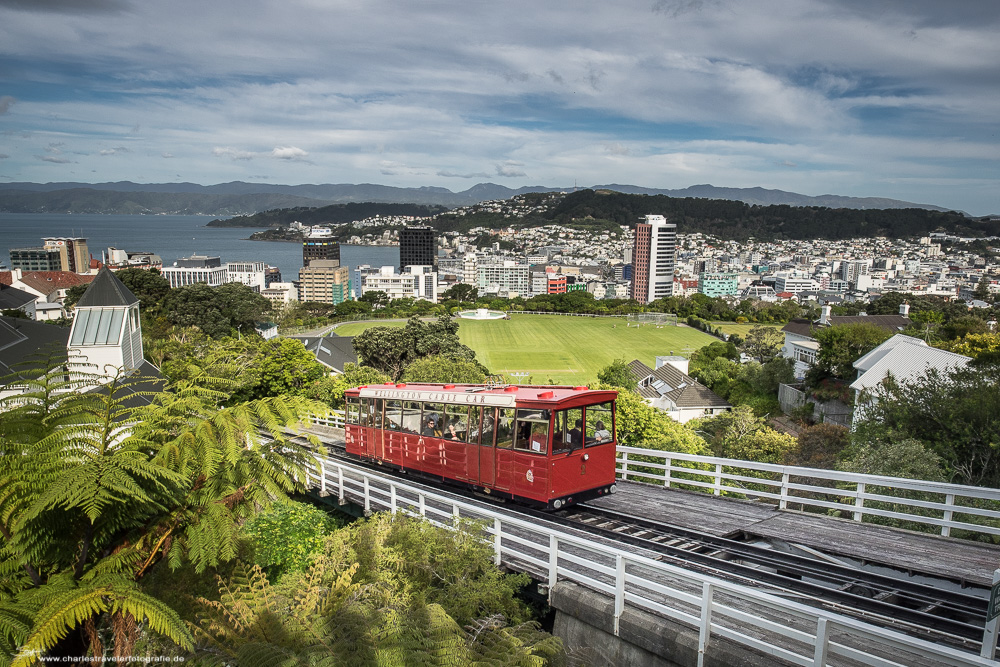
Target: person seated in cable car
(602, 434)
(576, 434)
(429, 428)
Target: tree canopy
(392, 349)
(98, 487)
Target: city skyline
(895, 100)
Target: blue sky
(885, 98)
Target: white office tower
(653, 259)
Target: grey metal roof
(681, 389)
(11, 297)
(906, 360)
(24, 343)
(334, 352)
(107, 290)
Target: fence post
(949, 514)
(553, 562)
(822, 642)
(619, 589)
(859, 502)
(368, 498)
(498, 555)
(667, 473)
(625, 466)
(783, 503)
(340, 483)
(392, 498)
(322, 478)
(705, 631)
(990, 633)
(423, 508)
(717, 490)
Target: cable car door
(487, 455)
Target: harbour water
(171, 237)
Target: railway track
(919, 609)
(930, 612)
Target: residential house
(899, 359)
(669, 388)
(800, 340)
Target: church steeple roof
(107, 290)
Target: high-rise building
(653, 258)
(73, 253)
(35, 259)
(325, 249)
(417, 247)
(325, 281)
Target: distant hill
(241, 198)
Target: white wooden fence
(777, 627)
(947, 506)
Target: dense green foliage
(247, 367)
(954, 415)
(392, 349)
(97, 487)
(736, 220)
(441, 368)
(215, 310)
(388, 590)
(333, 214)
(285, 537)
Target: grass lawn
(741, 330)
(567, 350)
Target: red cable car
(547, 446)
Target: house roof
(891, 323)
(334, 352)
(46, 282)
(106, 289)
(21, 339)
(679, 388)
(11, 297)
(903, 358)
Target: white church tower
(106, 336)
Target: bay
(172, 237)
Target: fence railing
(716, 608)
(945, 506)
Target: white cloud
(6, 102)
(288, 153)
(114, 151)
(232, 153)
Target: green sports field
(567, 350)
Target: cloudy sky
(892, 98)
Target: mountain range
(242, 198)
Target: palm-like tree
(99, 483)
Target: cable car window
(600, 424)
(352, 412)
(457, 422)
(411, 416)
(472, 435)
(487, 428)
(432, 421)
(533, 431)
(379, 405)
(393, 415)
(569, 430)
(505, 428)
